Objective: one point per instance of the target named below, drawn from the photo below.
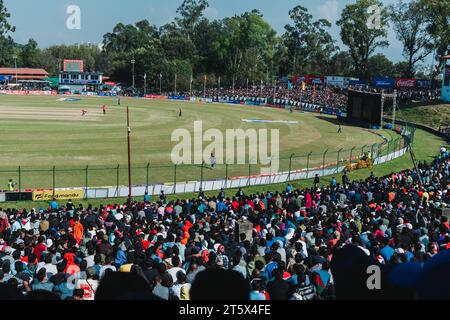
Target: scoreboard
(73, 66)
(364, 106)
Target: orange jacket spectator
(78, 231)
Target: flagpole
(190, 85)
(204, 87)
(233, 84)
(129, 156)
(274, 88)
(175, 84)
(160, 84)
(145, 84)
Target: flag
(303, 86)
(290, 86)
(192, 78)
(295, 79)
(205, 77)
(160, 75)
(145, 76)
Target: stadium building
(24, 78)
(12, 74)
(74, 80)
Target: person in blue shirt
(289, 188)
(333, 182)
(221, 207)
(146, 198)
(54, 205)
(409, 256)
(387, 252)
(272, 265)
(256, 294)
(121, 258)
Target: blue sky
(45, 20)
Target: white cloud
(329, 10)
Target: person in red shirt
(40, 247)
(104, 109)
(234, 205)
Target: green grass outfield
(60, 139)
(434, 114)
(38, 133)
(426, 146)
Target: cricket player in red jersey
(104, 109)
(83, 112)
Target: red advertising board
(314, 79)
(28, 92)
(405, 83)
(155, 97)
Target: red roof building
(24, 73)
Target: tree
(309, 43)
(175, 44)
(281, 61)
(401, 69)
(140, 42)
(126, 38)
(246, 46)
(206, 35)
(410, 25)
(6, 42)
(341, 64)
(191, 12)
(380, 65)
(29, 54)
(321, 47)
(359, 35)
(438, 16)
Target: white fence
(231, 183)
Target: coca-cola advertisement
(404, 83)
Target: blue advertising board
(381, 82)
(427, 83)
(178, 98)
(357, 82)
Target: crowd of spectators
(404, 95)
(320, 96)
(309, 243)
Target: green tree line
(246, 49)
